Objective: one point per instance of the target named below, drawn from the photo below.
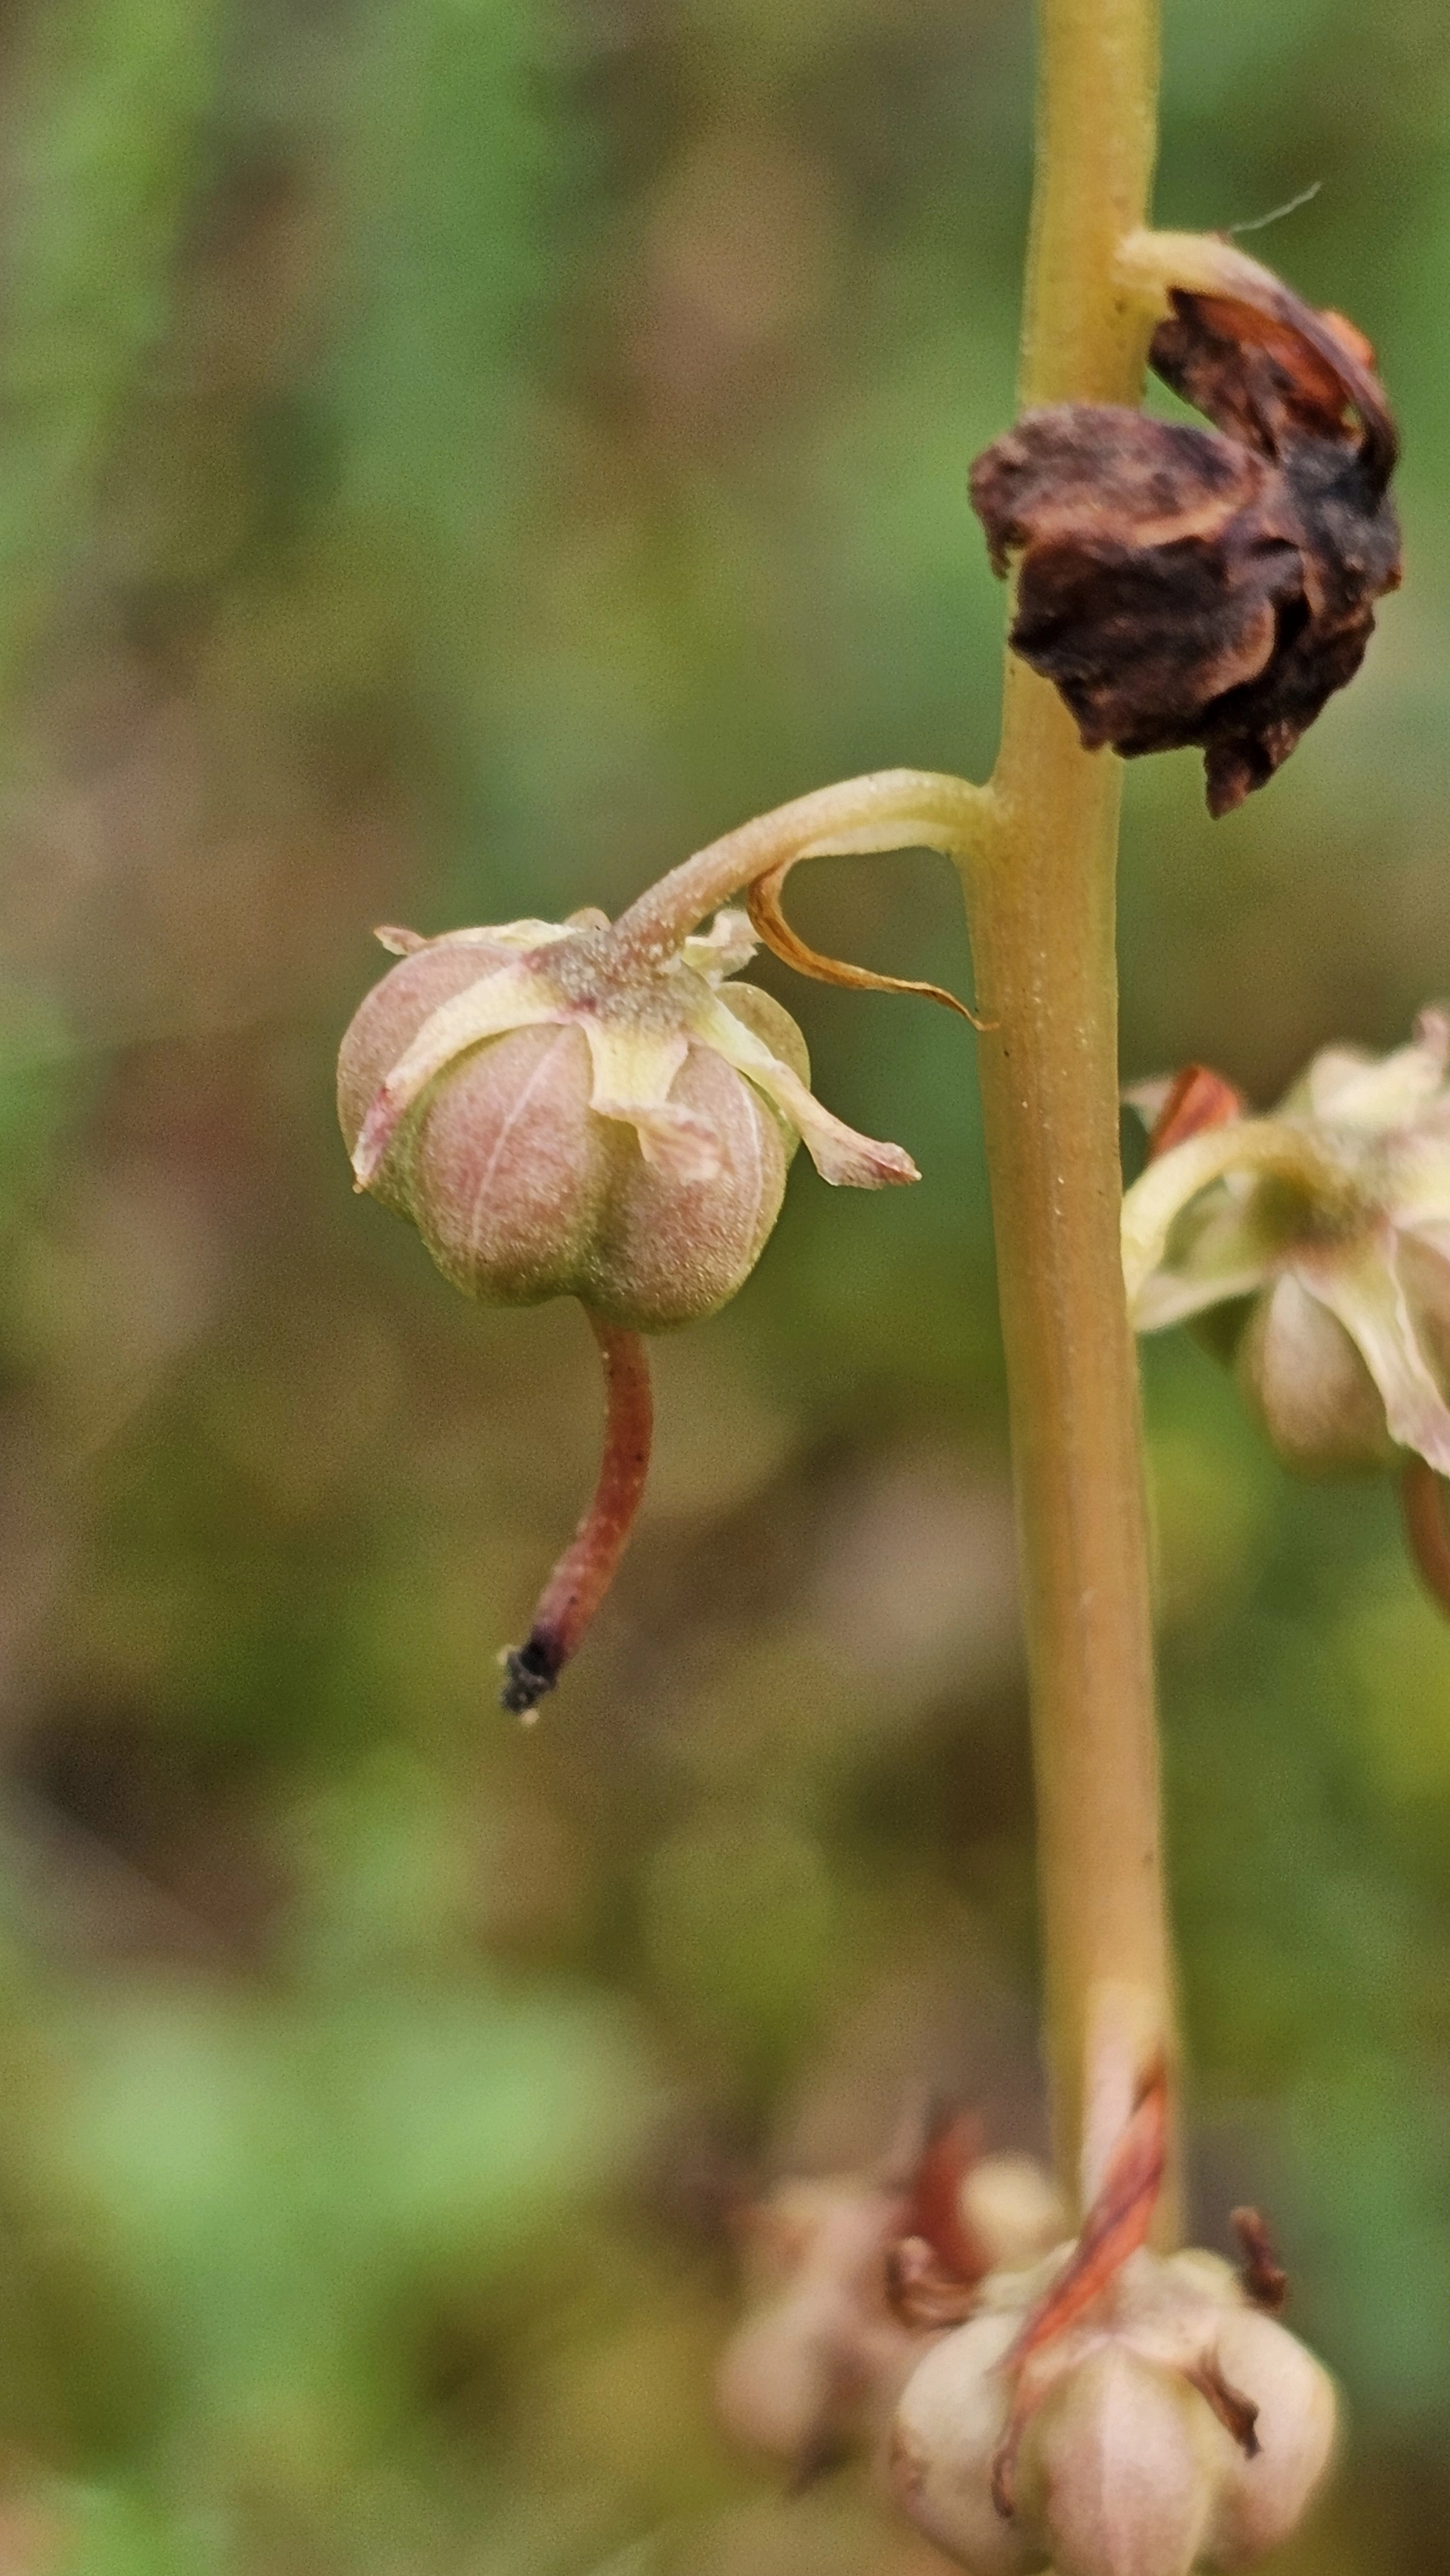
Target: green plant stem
(1041, 903)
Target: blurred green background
(455, 457)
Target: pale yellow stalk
(1041, 901)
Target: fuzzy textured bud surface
(559, 1121)
(1327, 1225)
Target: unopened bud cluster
(1085, 2404)
(813, 2372)
(1173, 2425)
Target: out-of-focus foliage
(456, 456)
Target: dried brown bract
(1262, 2273)
(1183, 585)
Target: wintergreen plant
(590, 1108)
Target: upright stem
(1041, 899)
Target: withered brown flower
(1184, 585)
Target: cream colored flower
(1332, 1215)
(638, 1029)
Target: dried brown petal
(1273, 378)
(1214, 587)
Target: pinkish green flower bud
(557, 1122)
(1172, 2425)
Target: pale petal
(840, 1155)
(1362, 1287)
(1433, 1233)
(1160, 1195)
(1170, 1296)
(1148, 1097)
(509, 935)
(729, 944)
(633, 1070)
(509, 998)
(1375, 1093)
(1417, 1180)
(1313, 1092)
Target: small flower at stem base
(1113, 2412)
(812, 2374)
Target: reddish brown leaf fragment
(1262, 2274)
(1115, 2226)
(1198, 1099)
(953, 2145)
(1083, 471)
(1272, 378)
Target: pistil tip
(532, 1670)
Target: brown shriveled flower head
(1183, 585)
